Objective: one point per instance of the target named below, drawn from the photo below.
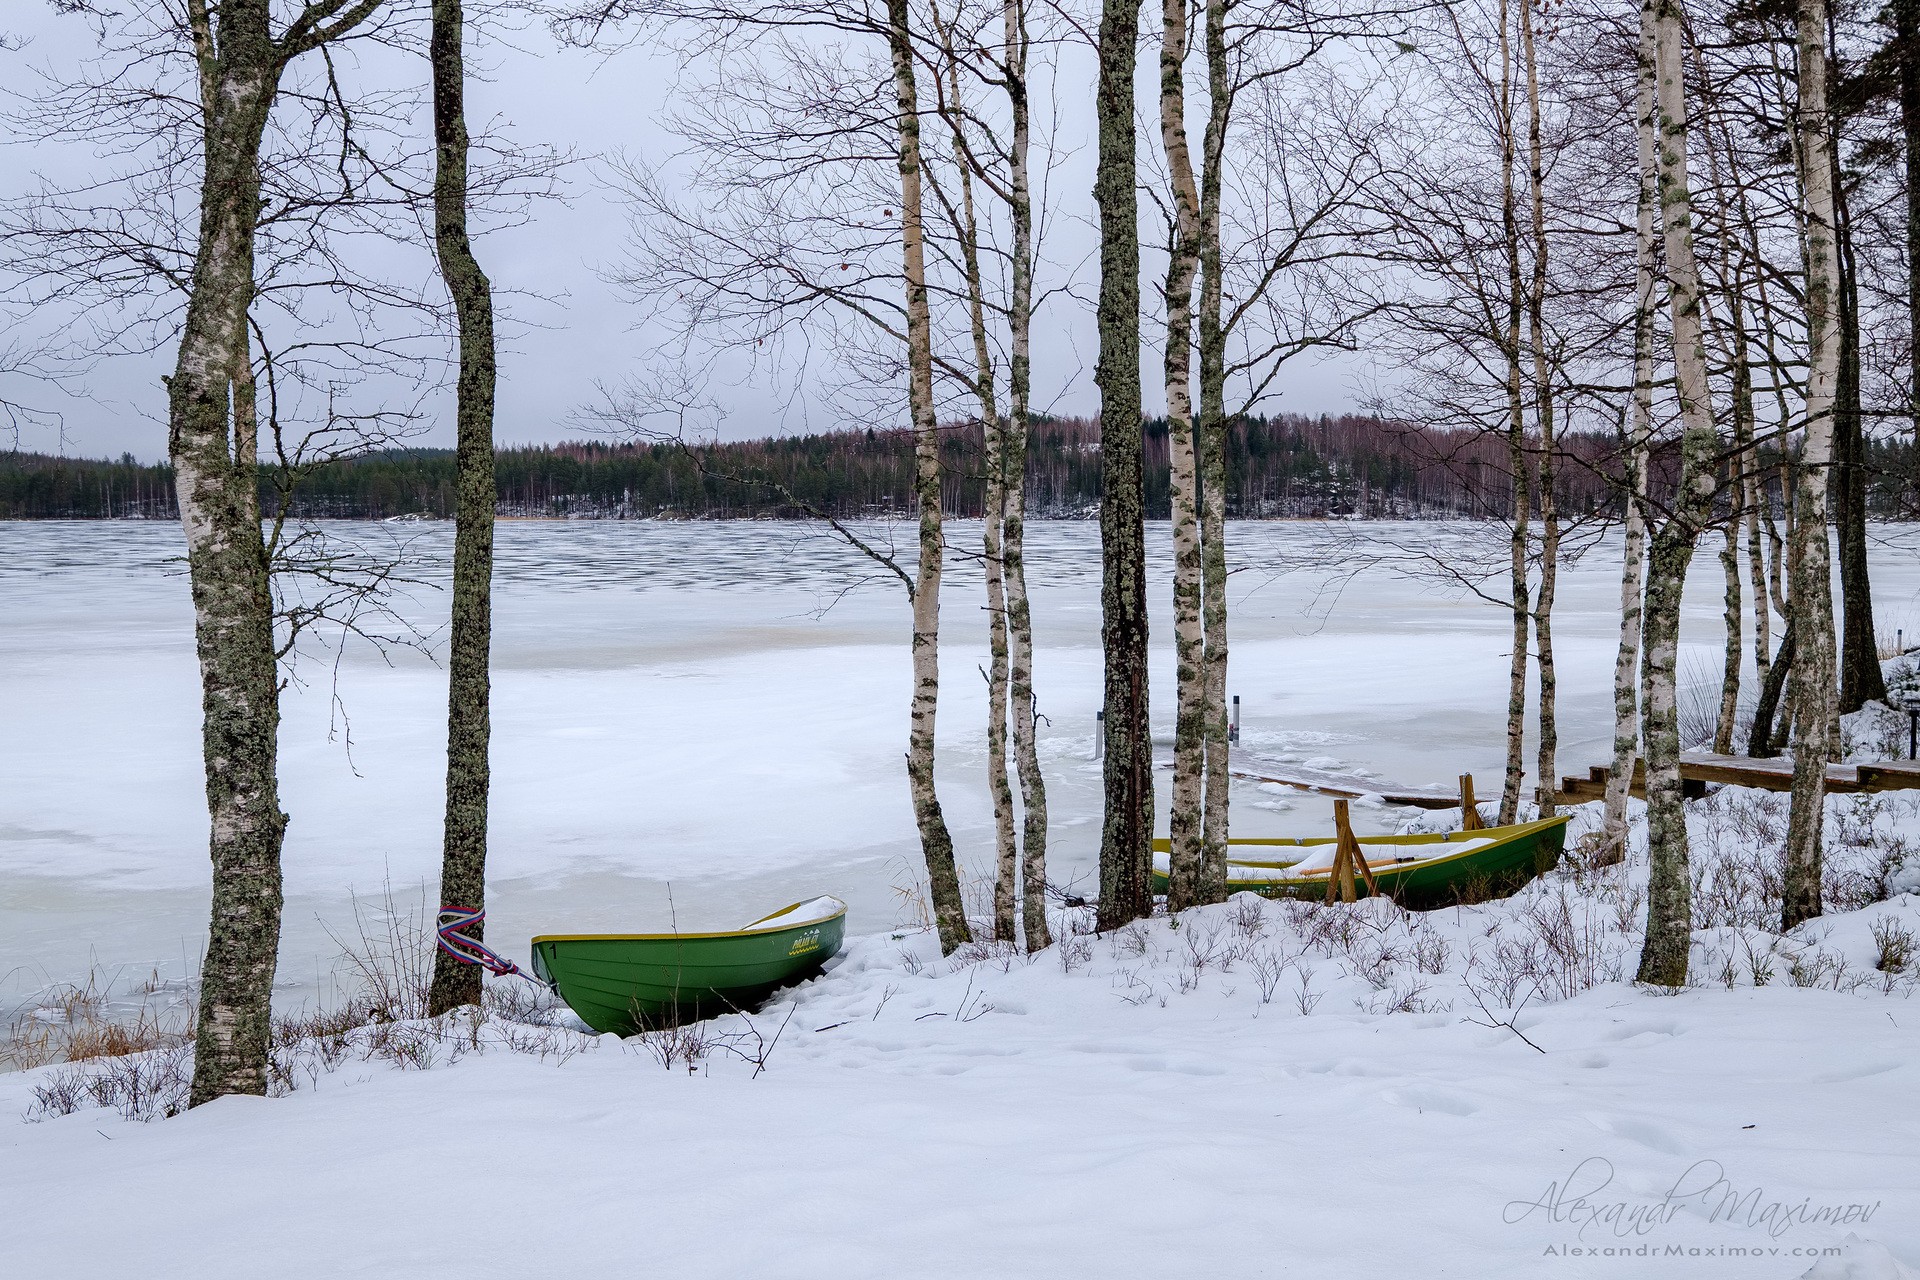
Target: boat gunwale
(1398, 867)
(746, 931)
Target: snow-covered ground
(1255, 1089)
(1251, 1090)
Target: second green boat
(1421, 872)
(628, 982)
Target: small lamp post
(1233, 725)
(1911, 701)
(1099, 734)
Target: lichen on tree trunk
(463, 856)
(211, 442)
(1126, 860)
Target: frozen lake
(715, 712)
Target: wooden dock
(1698, 768)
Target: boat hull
(626, 983)
(1517, 855)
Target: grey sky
(568, 328)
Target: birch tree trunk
(1213, 453)
(1186, 819)
(217, 487)
(1906, 20)
(1033, 786)
(1811, 596)
(1126, 858)
(936, 842)
(1547, 767)
(463, 864)
(1517, 458)
(999, 784)
(1626, 710)
(1663, 958)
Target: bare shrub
(1249, 915)
(523, 1002)
(76, 1021)
(143, 1087)
(674, 1042)
(1134, 989)
(1375, 964)
(389, 955)
(1075, 947)
(1132, 940)
(1306, 997)
(1896, 943)
(1267, 969)
(1001, 955)
(912, 910)
(1431, 952)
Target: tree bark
(993, 522)
(212, 444)
(1906, 19)
(1811, 597)
(1517, 459)
(1663, 958)
(463, 859)
(936, 841)
(228, 570)
(1213, 454)
(1126, 858)
(1033, 787)
(1547, 768)
(1626, 705)
(1186, 818)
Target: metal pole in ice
(1233, 725)
(1099, 734)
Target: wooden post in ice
(1347, 858)
(1233, 725)
(1469, 811)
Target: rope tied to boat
(471, 950)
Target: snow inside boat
(627, 982)
(1421, 872)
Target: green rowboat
(627, 982)
(1419, 872)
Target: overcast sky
(567, 328)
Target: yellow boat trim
(748, 932)
(1514, 833)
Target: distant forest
(1290, 466)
